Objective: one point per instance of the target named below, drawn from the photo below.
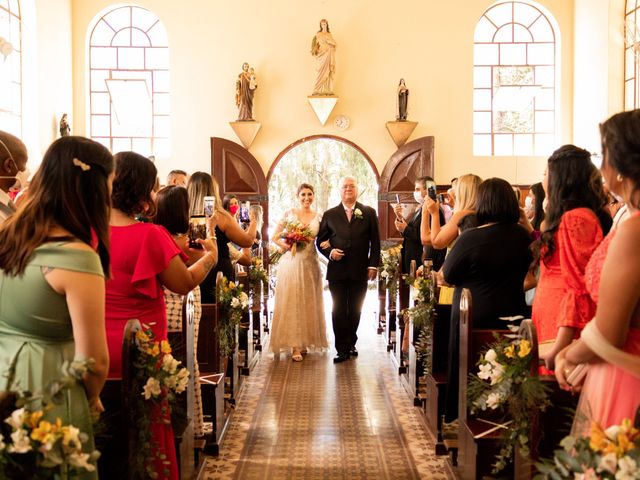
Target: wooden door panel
(238, 172)
(411, 161)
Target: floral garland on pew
(390, 267)
(232, 302)
(257, 274)
(422, 316)
(34, 448)
(157, 381)
(504, 383)
(613, 453)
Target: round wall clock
(342, 122)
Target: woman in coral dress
(298, 317)
(144, 258)
(610, 343)
(575, 220)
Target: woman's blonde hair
(201, 185)
(467, 192)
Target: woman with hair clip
(54, 255)
(610, 343)
(145, 258)
(201, 185)
(575, 221)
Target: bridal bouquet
(34, 448)
(158, 378)
(504, 383)
(294, 233)
(613, 453)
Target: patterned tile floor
(316, 420)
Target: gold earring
(619, 178)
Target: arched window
(514, 81)
(632, 55)
(11, 67)
(129, 82)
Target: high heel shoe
(297, 356)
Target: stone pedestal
(322, 105)
(246, 131)
(401, 131)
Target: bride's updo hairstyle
(307, 186)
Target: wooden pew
(388, 316)
(257, 311)
(478, 437)
(436, 380)
(246, 352)
(401, 301)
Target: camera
(431, 191)
(197, 229)
(440, 198)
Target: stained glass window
(129, 82)
(514, 81)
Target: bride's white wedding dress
(298, 317)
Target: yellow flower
(598, 440)
(525, 348)
(510, 351)
(43, 433)
(165, 347)
(142, 337)
(154, 351)
(32, 419)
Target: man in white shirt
(13, 159)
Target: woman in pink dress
(144, 257)
(610, 343)
(575, 223)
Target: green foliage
(390, 267)
(422, 315)
(232, 301)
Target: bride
(298, 318)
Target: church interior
(425, 93)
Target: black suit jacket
(411, 243)
(359, 239)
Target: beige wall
(47, 72)
(428, 42)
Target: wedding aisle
(317, 420)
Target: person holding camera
(412, 245)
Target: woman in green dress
(54, 255)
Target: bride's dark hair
(303, 186)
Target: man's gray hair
(348, 177)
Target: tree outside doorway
(320, 162)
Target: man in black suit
(413, 248)
(349, 237)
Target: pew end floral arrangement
(505, 385)
(390, 267)
(613, 453)
(422, 316)
(257, 274)
(157, 381)
(232, 302)
(33, 447)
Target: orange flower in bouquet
(297, 235)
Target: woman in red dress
(144, 257)
(576, 218)
(610, 343)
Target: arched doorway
(319, 160)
